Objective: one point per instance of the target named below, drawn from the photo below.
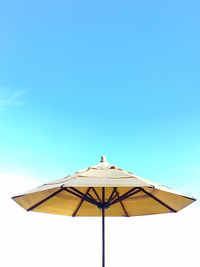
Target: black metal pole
(103, 228)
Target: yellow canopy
(125, 194)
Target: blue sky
(79, 79)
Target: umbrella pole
(103, 228)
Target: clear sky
(80, 79)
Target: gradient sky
(81, 79)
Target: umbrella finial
(103, 159)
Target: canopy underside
(76, 201)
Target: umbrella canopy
(125, 194)
(103, 190)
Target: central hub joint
(104, 205)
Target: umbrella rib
(129, 193)
(97, 195)
(114, 197)
(17, 196)
(91, 196)
(122, 205)
(85, 195)
(79, 194)
(158, 200)
(44, 200)
(112, 194)
(80, 204)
